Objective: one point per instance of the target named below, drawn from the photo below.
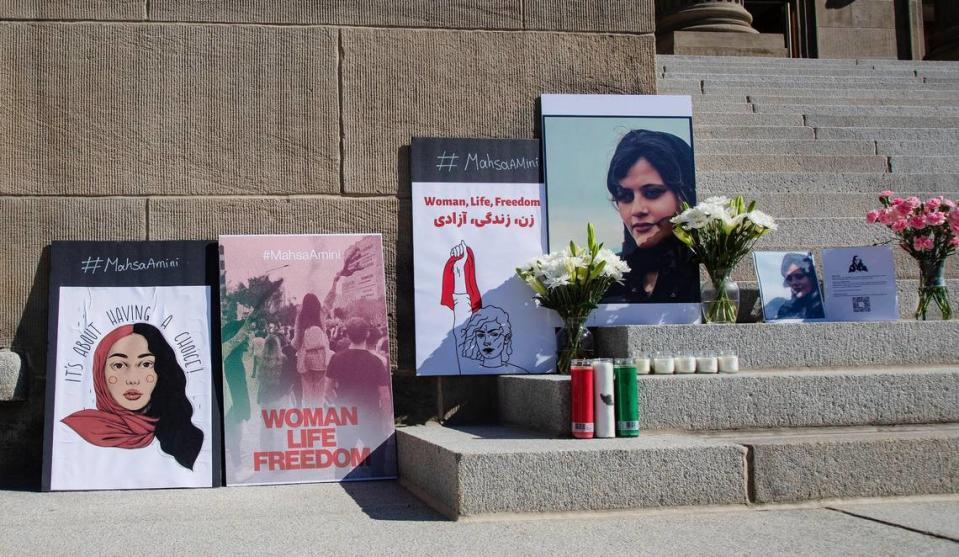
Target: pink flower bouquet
(929, 232)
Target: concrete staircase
(822, 411)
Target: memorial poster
(625, 164)
(306, 364)
(860, 284)
(789, 286)
(478, 215)
(130, 382)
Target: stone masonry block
(753, 399)
(484, 14)
(113, 109)
(885, 463)
(398, 84)
(876, 14)
(74, 9)
(207, 218)
(484, 470)
(591, 15)
(13, 385)
(31, 225)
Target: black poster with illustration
(130, 376)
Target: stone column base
(702, 43)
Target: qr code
(860, 304)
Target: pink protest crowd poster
(306, 364)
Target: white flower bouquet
(720, 231)
(571, 282)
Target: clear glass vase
(720, 297)
(574, 341)
(933, 293)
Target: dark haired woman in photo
(799, 276)
(312, 351)
(650, 175)
(141, 396)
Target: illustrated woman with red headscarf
(140, 395)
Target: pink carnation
(912, 202)
(887, 193)
(902, 209)
(917, 222)
(954, 227)
(872, 216)
(922, 243)
(897, 201)
(888, 216)
(935, 219)
(933, 204)
(899, 225)
(953, 216)
(948, 203)
(954, 242)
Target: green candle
(626, 396)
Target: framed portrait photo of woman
(789, 286)
(625, 164)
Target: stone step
(662, 59)
(793, 163)
(906, 292)
(831, 121)
(814, 94)
(817, 205)
(751, 399)
(751, 132)
(904, 164)
(784, 147)
(741, 107)
(721, 119)
(919, 148)
(888, 134)
(719, 182)
(485, 470)
(475, 471)
(847, 110)
(828, 463)
(786, 80)
(759, 62)
(906, 266)
(791, 345)
(798, 87)
(879, 100)
(747, 70)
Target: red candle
(581, 389)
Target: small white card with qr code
(860, 284)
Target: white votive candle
(642, 364)
(603, 398)
(663, 364)
(685, 363)
(728, 363)
(707, 363)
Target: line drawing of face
(130, 373)
(488, 337)
(798, 281)
(491, 340)
(645, 204)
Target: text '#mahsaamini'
(310, 439)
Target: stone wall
(856, 29)
(186, 119)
